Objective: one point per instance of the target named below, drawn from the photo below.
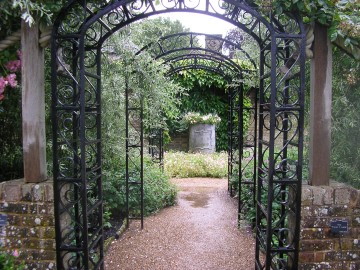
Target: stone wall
(320, 248)
(27, 213)
(179, 142)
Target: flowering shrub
(8, 261)
(192, 118)
(183, 165)
(8, 79)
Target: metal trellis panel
(134, 156)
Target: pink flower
(11, 78)
(15, 253)
(13, 66)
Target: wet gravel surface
(199, 232)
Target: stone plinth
(202, 138)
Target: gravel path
(198, 233)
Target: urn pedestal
(202, 138)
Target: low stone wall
(320, 248)
(27, 216)
(179, 142)
(27, 213)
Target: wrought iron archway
(78, 35)
(182, 51)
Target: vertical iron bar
(142, 161)
(161, 143)
(76, 158)
(230, 135)
(127, 147)
(259, 232)
(229, 141)
(255, 145)
(271, 166)
(55, 130)
(85, 240)
(98, 156)
(240, 147)
(300, 149)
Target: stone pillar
(33, 105)
(320, 108)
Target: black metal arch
(218, 64)
(172, 50)
(78, 35)
(173, 43)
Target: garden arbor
(78, 36)
(182, 51)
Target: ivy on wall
(206, 93)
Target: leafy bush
(8, 261)
(147, 83)
(158, 191)
(11, 156)
(192, 118)
(345, 152)
(182, 165)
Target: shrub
(158, 191)
(182, 165)
(192, 118)
(9, 261)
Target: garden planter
(202, 138)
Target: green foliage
(342, 16)
(207, 94)
(158, 191)
(12, 11)
(183, 165)
(146, 81)
(345, 152)
(192, 118)
(150, 30)
(9, 262)
(11, 163)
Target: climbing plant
(206, 93)
(345, 152)
(341, 16)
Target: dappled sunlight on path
(200, 232)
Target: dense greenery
(11, 164)
(183, 165)
(10, 262)
(147, 81)
(345, 154)
(207, 94)
(158, 191)
(341, 16)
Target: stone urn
(202, 138)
